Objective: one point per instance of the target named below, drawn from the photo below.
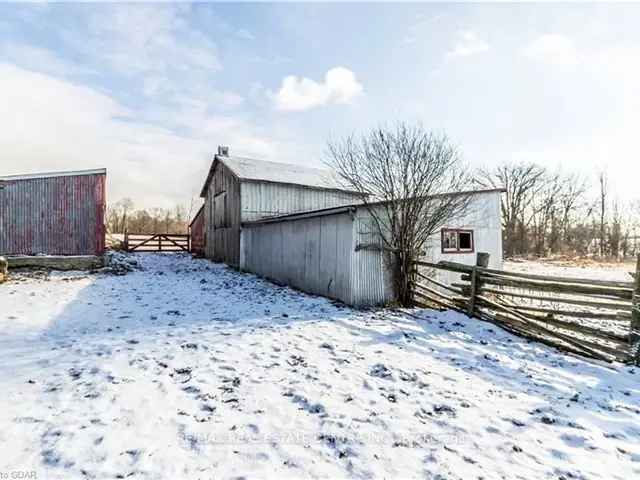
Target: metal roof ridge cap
(66, 173)
(303, 215)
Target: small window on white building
(457, 241)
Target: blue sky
(150, 90)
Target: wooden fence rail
(142, 242)
(594, 318)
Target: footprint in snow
(379, 370)
(181, 375)
(305, 404)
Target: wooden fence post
(4, 269)
(472, 292)
(482, 261)
(634, 333)
(126, 240)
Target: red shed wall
(58, 215)
(196, 229)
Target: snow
(617, 272)
(187, 369)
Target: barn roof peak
(253, 170)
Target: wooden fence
(143, 242)
(595, 318)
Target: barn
(60, 213)
(337, 252)
(239, 190)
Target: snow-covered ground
(187, 369)
(618, 272)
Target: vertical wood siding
(61, 215)
(222, 214)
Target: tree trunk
(403, 279)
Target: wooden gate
(158, 242)
(593, 318)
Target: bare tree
(544, 212)
(604, 187)
(522, 182)
(571, 199)
(405, 176)
(117, 215)
(122, 217)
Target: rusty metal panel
(196, 230)
(53, 214)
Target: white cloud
(149, 38)
(41, 60)
(52, 124)
(297, 94)
(468, 44)
(553, 48)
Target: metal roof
(252, 170)
(98, 171)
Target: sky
(150, 90)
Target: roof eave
(68, 173)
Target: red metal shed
(59, 213)
(196, 229)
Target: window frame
(457, 250)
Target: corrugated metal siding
(263, 199)
(311, 254)
(373, 269)
(325, 255)
(53, 215)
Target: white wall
(484, 219)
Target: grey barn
(239, 190)
(296, 226)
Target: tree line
(122, 216)
(547, 213)
(544, 212)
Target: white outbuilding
(337, 252)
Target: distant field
(574, 268)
